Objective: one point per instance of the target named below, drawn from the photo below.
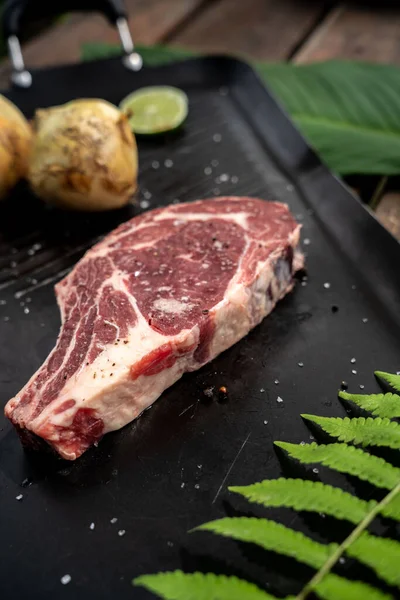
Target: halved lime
(155, 109)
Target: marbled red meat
(161, 295)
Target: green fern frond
(367, 432)
(333, 587)
(346, 459)
(176, 585)
(390, 378)
(272, 536)
(392, 510)
(380, 554)
(306, 495)
(380, 405)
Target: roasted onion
(15, 143)
(84, 156)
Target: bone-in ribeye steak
(161, 295)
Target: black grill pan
(169, 471)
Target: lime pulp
(155, 109)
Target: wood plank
(370, 34)
(150, 22)
(388, 213)
(259, 29)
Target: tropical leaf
(333, 587)
(349, 111)
(380, 405)
(367, 432)
(307, 495)
(380, 554)
(272, 536)
(346, 459)
(201, 586)
(392, 380)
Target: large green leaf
(349, 111)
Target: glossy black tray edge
(356, 231)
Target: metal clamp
(112, 9)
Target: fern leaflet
(367, 432)
(307, 495)
(380, 405)
(272, 536)
(201, 586)
(333, 587)
(380, 554)
(392, 380)
(392, 510)
(346, 459)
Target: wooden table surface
(301, 31)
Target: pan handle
(15, 11)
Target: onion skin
(84, 156)
(15, 145)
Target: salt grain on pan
(65, 579)
(19, 497)
(121, 532)
(365, 320)
(207, 171)
(6, 318)
(354, 372)
(214, 162)
(144, 204)
(168, 163)
(155, 164)
(279, 399)
(265, 422)
(262, 390)
(353, 360)
(92, 526)
(3, 302)
(315, 470)
(290, 188)
(362, 386)
(306, 241)
(300, 364)
(224, 177)
(234, 179)
(197, 486)
(276, 381)
(170, 544)
(26, 310)
(182, 485)
(327, 285)
(113, 520)
(217, 137)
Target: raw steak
(163, 294)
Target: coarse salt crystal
(92, 526)
(113, 520)
(168, 163)
(279, 399)
(121, 532)
(65, 579)
(354, 372)
(207, 171)
(19, 497)
(217, 137)
(306, 241)
(353, 360)
(327, 285)
(155, 164)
